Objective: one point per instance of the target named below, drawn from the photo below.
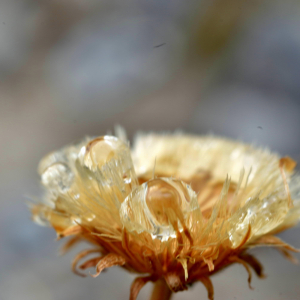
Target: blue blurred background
(71, 68)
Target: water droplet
(108, 160)
(66, 155)
(76, 220)
(259, 213)
(90, 217)
(127, 180)
(100, 151)
(58, 178)
(50, 159)
(160, 207)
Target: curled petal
(270, 240)
(79, 256)
(288, 255)
(287, 163)
(137, 285)
(235, 259)
(208, 285)
(90, 263)
(108, 261)
(254, 263)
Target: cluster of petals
(175, 207)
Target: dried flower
(177, 208)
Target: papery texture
(177, 207)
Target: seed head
(177, 208)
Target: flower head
(176, 208)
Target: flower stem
(161, 291)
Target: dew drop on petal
(58, 178)
(66, 155)
(262, 214)
(89, 217)
(100, 151)
(108, 160)
(158, 207)
(50, 159)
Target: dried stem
(161, 291)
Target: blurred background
(72, 68)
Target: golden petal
(108, 261)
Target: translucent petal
(100, 151)
(262, 214)
(159, 206)
(66, 155)
(58, 178)
(107, 162)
